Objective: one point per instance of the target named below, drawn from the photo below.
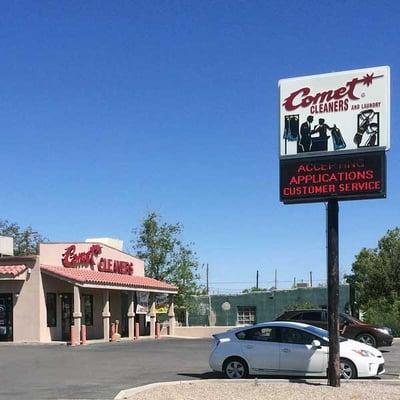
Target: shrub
(385, 314)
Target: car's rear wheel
(235, 368)
(367, 338)
(347, 369)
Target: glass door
(6, 317)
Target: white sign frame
(344, 101)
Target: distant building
(254, 307)
(6, 246)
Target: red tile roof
(88, 276)
(13, 270)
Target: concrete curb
(127, 393)
(55, 343)
(189, 337)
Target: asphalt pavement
(100, 371)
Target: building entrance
(124, 314)
(67, 307)
(6, 317)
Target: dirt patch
(255, 390)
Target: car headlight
(385, 331)
(364, 353)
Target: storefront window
(88, 309)
(246, 315)
(51, 307)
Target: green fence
(267, 305)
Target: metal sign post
(333, 292)
(226, 307)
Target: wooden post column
(131, 316)
(77, 315)
(171, 316)
(106, 315)
(153, 320)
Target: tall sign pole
(334, 134)
(333, 292)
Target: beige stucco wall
(201, 331)
(51, 254)
(26, 300)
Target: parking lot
(100, 371)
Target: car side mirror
(316, 344)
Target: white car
(289, 348)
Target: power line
(261, 282)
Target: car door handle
(249, 346)
(285, 350)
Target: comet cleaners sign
(335, 113)
(334, 131)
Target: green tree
(376, 272)
(254, 289)
(184, 276)
(302, 306)
(26, 240)
(376, 277)
(166, 257)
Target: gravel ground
(277, 391)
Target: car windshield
(314, 330)
(322, 333)
(349, 318)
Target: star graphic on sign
(367, 79)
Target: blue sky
(112, 109)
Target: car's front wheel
(235, 368)
(347, 369)
(367, 338)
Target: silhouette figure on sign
(320, 143)
(305, 135)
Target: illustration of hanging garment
(337, 138)
(364, 120)
(373, 131)
(291, 131)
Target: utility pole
(257, 280)
(207, 287)
(333, 292)
(294, 283)
(209, 297)
(276, 279)
(310, 278)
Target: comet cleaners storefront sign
(72, 259)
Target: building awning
(11, 270)
(96, 279)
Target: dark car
(350, 327)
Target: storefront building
(78, 284)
